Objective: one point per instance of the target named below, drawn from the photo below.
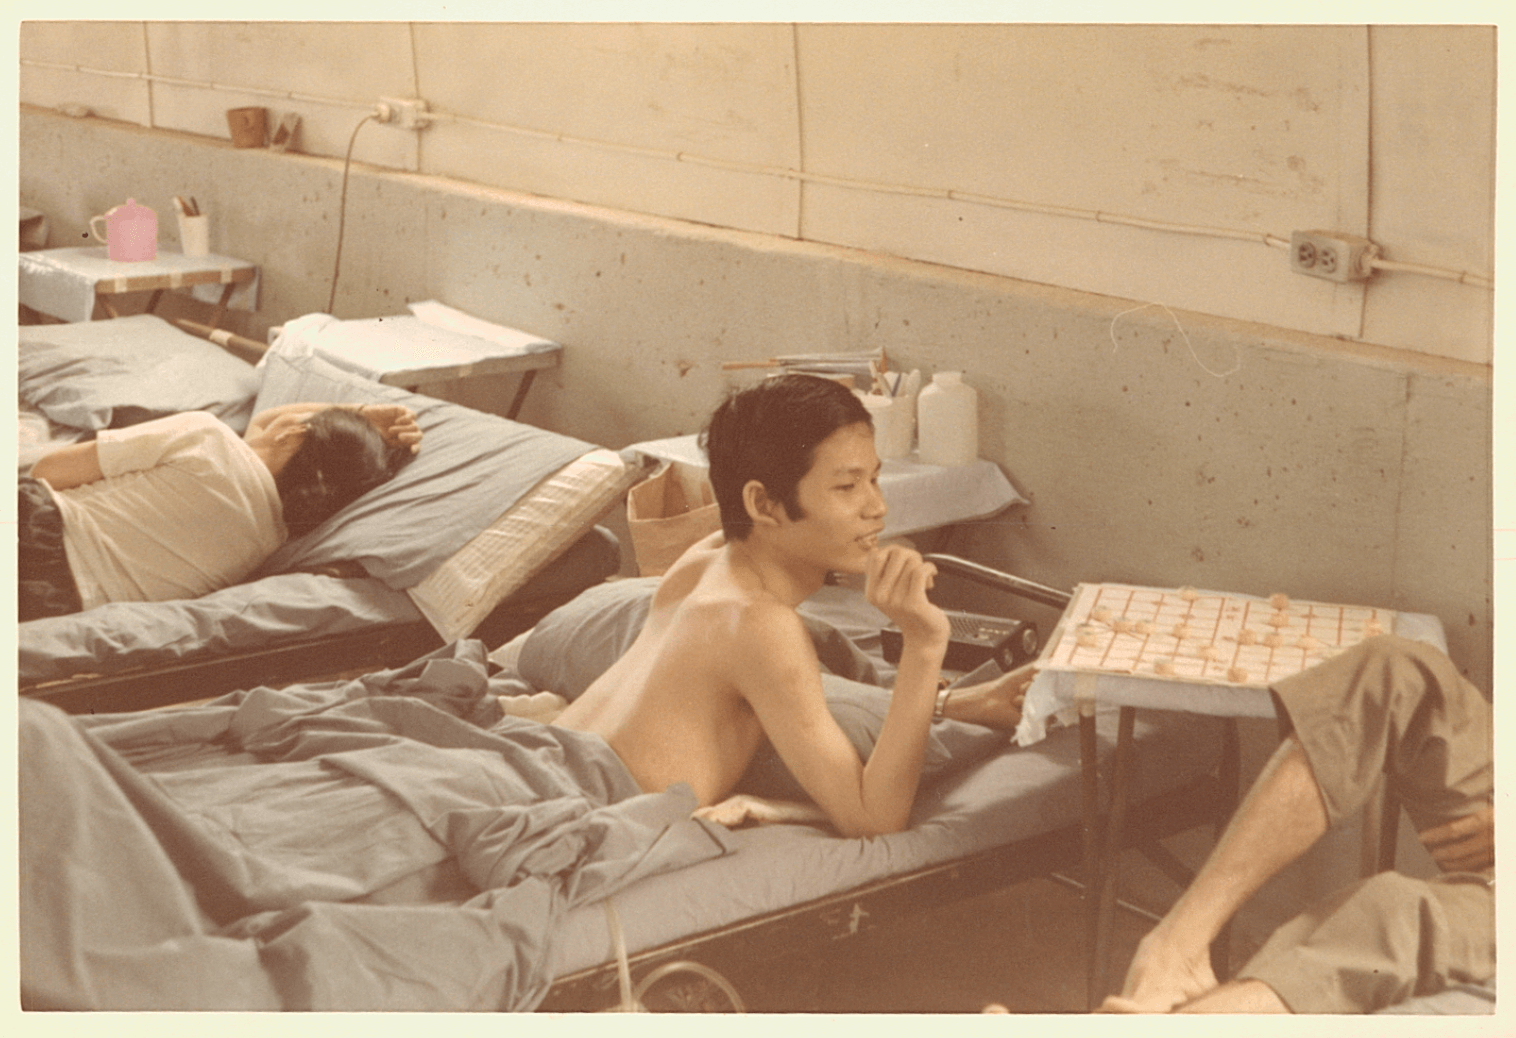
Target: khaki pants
(1399, 707)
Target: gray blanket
(361, 845)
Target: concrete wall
(1157, 446)
(1163, 163)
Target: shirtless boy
(724, 661)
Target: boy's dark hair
(770, 432)
(343, 458)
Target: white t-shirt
(186, 507)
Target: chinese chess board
(1201, 636)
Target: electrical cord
(347, 163)
(631, 998)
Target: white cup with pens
(893, 425)
(194, 227)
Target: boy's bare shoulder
(764, 639)
(739, 617)
(735, 614)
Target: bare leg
(1279, 819)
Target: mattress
(1016, 793)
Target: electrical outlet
(403, 113)
(1334, 256)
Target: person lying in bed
(724, 660)
(180, 506)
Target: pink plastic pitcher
(131, 232)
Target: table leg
(521, 391)
(152, 300)
(1089, 763)
(221, 304)
(1110, 857)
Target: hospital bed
(488, 528)
(466, 899)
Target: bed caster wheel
(687, 987)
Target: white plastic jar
(947, 421)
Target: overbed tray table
(66, 283)
(431, 345)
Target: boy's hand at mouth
(896, 580)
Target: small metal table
(66, 283)
(411, 353)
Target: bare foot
(744, 809)
(1161, 977)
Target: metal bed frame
(303, 658)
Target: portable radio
(976, 639)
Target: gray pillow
(577, 642)
(472, 468)
(859, 710)
(109, 374)
(573, 645)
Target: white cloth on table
(434, 337)
(920, 497)
(1055, 694)
(62, 282)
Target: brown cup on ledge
(249, 126)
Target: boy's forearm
(894, 768)
(70, 466)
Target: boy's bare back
(671, 707)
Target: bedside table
(66, 283)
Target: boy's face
(840, 500)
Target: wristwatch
(942, 698)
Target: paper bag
(664, 521)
